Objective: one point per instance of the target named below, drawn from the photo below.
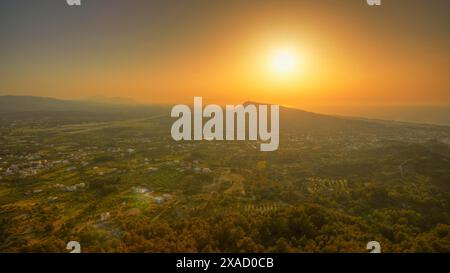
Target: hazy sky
(346, 52)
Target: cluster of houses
(61, 187)
(33, 164)
(184, 166)
(149, 193)
(26, 169)
(71, 188)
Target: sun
(283, 62)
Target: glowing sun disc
(283, 62)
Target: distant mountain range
(20, 104)
(29, 103)
(12, 107)
(292, 119)
(109, 100)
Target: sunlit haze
(324, 56)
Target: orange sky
(169, 51)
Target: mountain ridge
(292, 117)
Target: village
(98, 180)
